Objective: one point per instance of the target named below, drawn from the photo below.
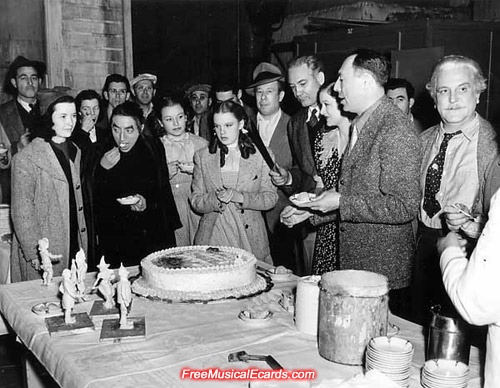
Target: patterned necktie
(433, 177)
(313, 120)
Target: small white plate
(301, 198)
(47, 309)
(3, 151)
(130, 200)
(245, 317)
(279, 277)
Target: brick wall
(93, 42)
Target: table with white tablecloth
(178, 335)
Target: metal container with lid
(448, 338)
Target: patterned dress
(327, 160)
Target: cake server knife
(245, 357)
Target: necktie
(313, 120)
(433, 177)
(35, 110)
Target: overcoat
(40, 208)
(380, 195)
(253, 182)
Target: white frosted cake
(198, 273)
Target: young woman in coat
(231, 186)
(47, 195)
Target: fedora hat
(263, 74)
(21, 61)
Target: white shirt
(92, 135)
(267, 126)
(474, 287)
(25, 105)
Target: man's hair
(84, 95)
(226, 86)
(373, 62)
(457, 60)
(115, 78)
(311, 61)
(396, 83)
(129, 109)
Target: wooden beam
(54, 43)
(128, 53)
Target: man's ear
(209, 101)
(281, 95)
(411, 103)
(154, 92)
(128, 96)
(320, 77)
(240, 93)
(13, 82)
(106, 96)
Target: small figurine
(103, 282)
(124, 297)
(47, 257)
(68, 290)
(78, 271)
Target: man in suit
(144, 89)
(379, 189)
(267, 87)
(456, 156)
(21, 116)
(305, 77)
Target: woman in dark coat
(131, 209)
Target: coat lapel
(45, 159)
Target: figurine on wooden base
(78, 271)
(68, 290)
(124, 298)
(103, 283)
(46, 258)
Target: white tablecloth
(198, 336)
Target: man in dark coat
(20, 117)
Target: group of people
(124, 178)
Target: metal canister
(448, 338)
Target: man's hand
(110, 158)
(452, 239)
(456, 216)
(279, 176)
(24, 140)
(326, 202)
(141, 205)
(88, 123)
(291, 216)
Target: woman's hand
(140, 206)
(186, 168)
(110, 158)
(291, 216)
(224, 195)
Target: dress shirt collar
(269, 119)
(469, 130)
(310, 110)
(25, 105)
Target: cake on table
(199, 273)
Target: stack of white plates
(442, 373)
(391, 356)
(5, 226)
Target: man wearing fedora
(200, 101)
(267, 87)
(144, 89)
(20, 117)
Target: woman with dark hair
(132, 210)
(329, 146)
(180, 147)
(47, 196)
(231, 186)
(88, 128)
